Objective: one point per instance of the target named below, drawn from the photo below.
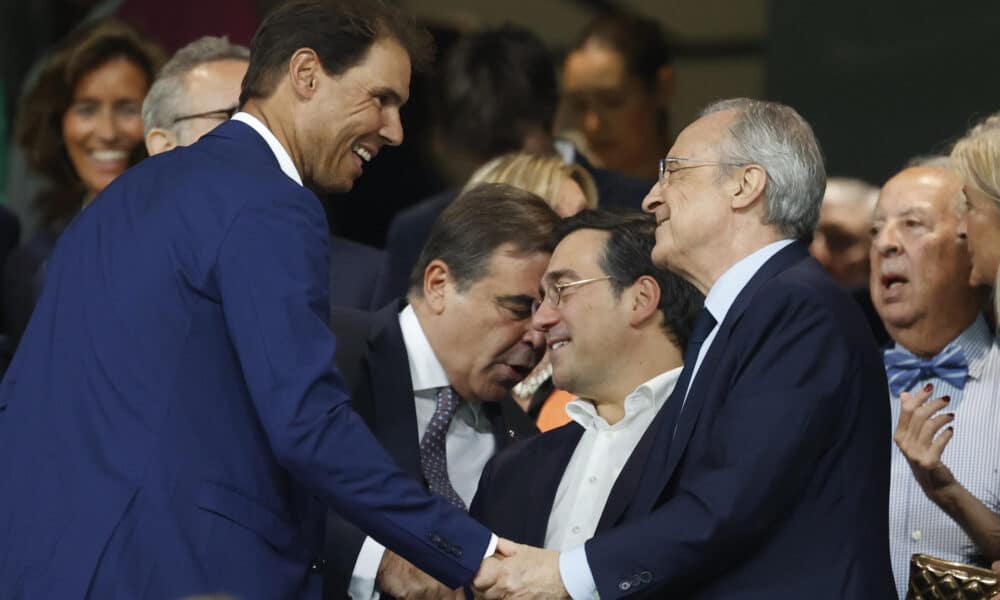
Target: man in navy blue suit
(768, 469)
(199, 88)
(172, 419)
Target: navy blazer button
(646, 577)
(624, 586)
(636, 580)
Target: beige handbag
(936, 579)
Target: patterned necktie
(904, 369)
(433, 453)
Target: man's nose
(653, 199)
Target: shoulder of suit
(516, 455)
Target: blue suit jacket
(776, 482)
(173, 411)
(410, 229)
(357, 272)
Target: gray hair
(778, 139)
(166, 96)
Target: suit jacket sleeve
(778, 414)
(273, 280)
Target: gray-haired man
(197, 89)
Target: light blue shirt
(916, 524)
(574, 569)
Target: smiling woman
(80, 125)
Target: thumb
(507, 547)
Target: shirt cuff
(576, 575)
(492, 548)
(362, 586)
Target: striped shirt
(916, 524)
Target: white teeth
(363, 153)
(109, 155)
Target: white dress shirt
(469, 444)
(599, 458)
(916, 524)
(574, 569)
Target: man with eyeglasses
(195, 91)
(616, 327)
(198, 89)
(768, 469)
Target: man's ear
(304, 70)
(437, 281)
(160, 140)
(749, 186)
(645, 299)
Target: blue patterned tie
(904, 369)
(433, 452)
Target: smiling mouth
(364, 153)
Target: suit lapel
(667, 448)
(392, 391)
(509, 422)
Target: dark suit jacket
(776, 482)
(372, 356)
(356, 274)
(172, 412)
(518, 486)
(410, 228)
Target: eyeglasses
(669, 164)
(553, 292)
(222, 114)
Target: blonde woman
(977, 157)
(568, 189)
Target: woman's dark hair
(39, 118)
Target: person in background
(497, 93)
(977, 158)
(80, 126)
(943, 489)
(617, 82)
(842, 241)
(198, 88)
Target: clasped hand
(520, 572)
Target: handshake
(514, 571)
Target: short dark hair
(626, 258)
(494, 87)
(639, 40)
(39, 118)
(340, 31)
(478, 222)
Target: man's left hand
(520, 572)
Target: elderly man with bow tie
(943, 372)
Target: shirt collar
(722, 295)
(975, 342)
(284, 159)
(649, 396)
(426, 371)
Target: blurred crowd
(505, 123)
